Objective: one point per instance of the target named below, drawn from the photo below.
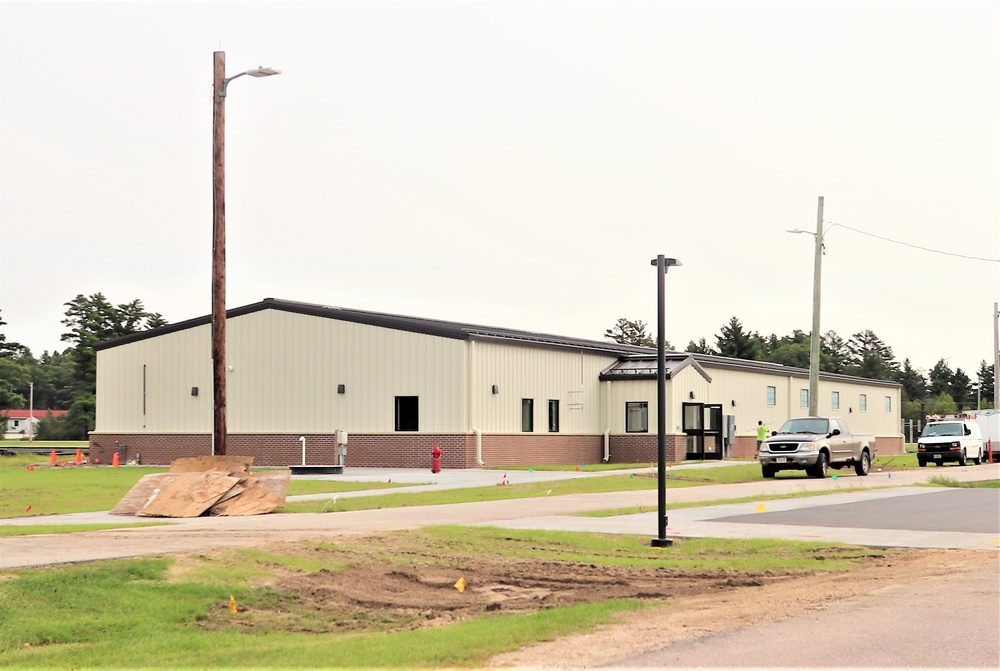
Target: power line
(907, 244)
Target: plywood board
(275, 482)
(148, 487)
(190, 495)
(263, 493)
(224, 462)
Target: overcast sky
(512, 164)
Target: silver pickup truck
(814, 444)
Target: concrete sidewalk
(540, 512)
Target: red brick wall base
(414, 451)
(388, 450)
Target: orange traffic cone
(78, 459)
(52, 457)
(115, 461)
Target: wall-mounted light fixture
(733, 402)
(194, 391)
(341, 389)
(691, 395)
(495, 389)
(850, 410)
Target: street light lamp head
(263, 72)
(788, 230)
(667, 263)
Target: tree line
(864, 354)
(67, 380)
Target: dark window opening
(407, 413)
(553, 416)
(527, 414)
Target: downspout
(607, 445)
(479, 446)
(471, 369)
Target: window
(406, 413)
(527, 414)
(636, 417)
(553, 416)
(888, 403)
(835, 401)
(803, 398)
(863, 402)
(772, 395)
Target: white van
(950, 439)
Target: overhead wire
(907, 244)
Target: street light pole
(220, 84)
(661, 540)
(814, 341)
(996, 357)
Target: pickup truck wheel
(819, 470)
(962, 459)
(864, 464)
(768, 471)
(922, 462)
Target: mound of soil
(368, 589)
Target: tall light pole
(661, 540)
(814, 339)
(221, 82)
(996, 357)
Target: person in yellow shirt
(762, 431)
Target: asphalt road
(951, 622)
(935, 509)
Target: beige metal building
(297, 373)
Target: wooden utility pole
(219, 256)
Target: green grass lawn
(60, 490)
(70, 489)
(139, 613)
(591, 485)
(46, 444)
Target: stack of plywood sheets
(197, 486)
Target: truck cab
(814, 444)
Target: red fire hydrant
(436, 459)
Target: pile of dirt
(362, 591)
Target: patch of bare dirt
(367, 586)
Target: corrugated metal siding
(622, 392)
(749, 391)
(537, 373)
(286, 368)
(174, 363)
(284, 377)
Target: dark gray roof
(435, 327)
(643, 367)
(636, 362)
